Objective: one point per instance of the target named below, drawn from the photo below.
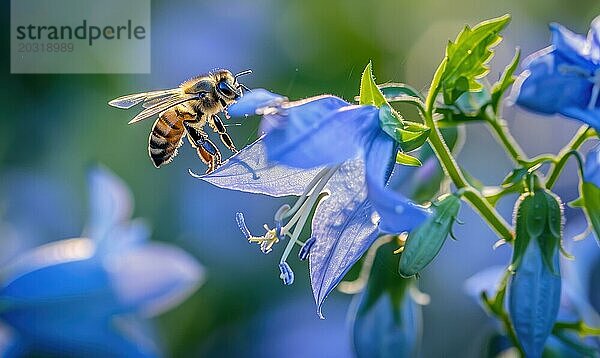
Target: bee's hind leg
(217, 124)
(207, 151)
(207, 158)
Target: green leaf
(369, 92)
(412, 136)
(409, 135)
(468, 107)
(577, 203)
(426, 241)
(591, 202)
(467, 57)
(505, 81)
(405, 159)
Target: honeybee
(185, 110)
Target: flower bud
(534, 290)
(424, 243)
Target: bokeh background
(54, 127)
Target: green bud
(425, 242)
(538, 216)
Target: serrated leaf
(369, 92)
(591, 201)
(426, 241)
(405, 159)
(505, 81)
(467, 57)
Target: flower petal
(253, 101)
(386, 330)
(249, 171)
(543, 88)
(484, 281)
(572, 46)
(594, 40)
(67, 268)
(153, 278)
(319, 132)
(398, 214)
(344, 227)
(591, 117)
(111, 203)
(534, 299)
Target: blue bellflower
(591, 170)
(564, 78)
(91, 296)
(321, 145)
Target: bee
(184, 111)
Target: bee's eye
(225, 89)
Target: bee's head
(227, 86)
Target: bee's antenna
(243, 73)
(245, 87)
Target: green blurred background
(54, 127)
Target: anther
(305, 250)
(286, 273)
(239, 218)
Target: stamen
(305, 250)
(286, 273)
(266, 242)
(300, 218)
(239, 218)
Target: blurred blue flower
(591, 170)
(90, 296)
(581, 299)
(564, 78)
(320, 145)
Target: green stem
(561, 159)
(502, 133)
(452, 169)
(580, 327)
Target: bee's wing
(163, 105)
(148, 103)
(131, 100)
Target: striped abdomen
(166, 136)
